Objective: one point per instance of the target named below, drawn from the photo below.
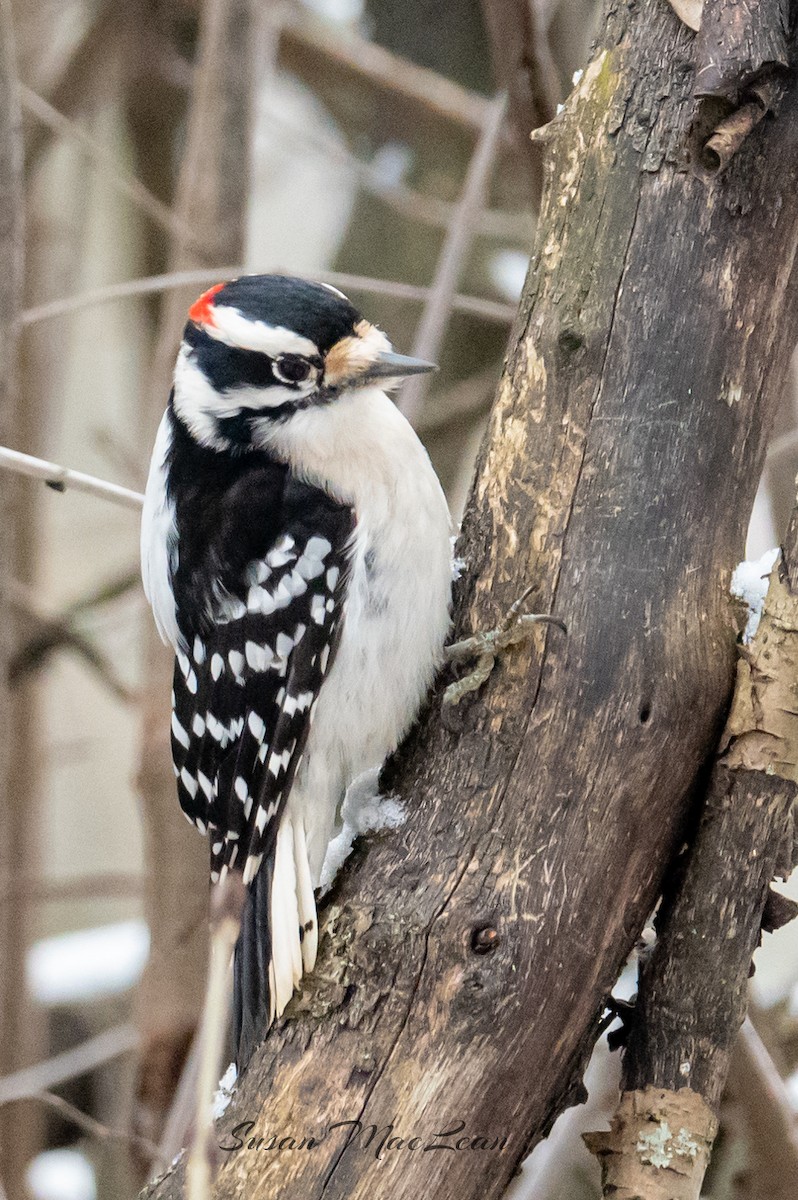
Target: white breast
(363, 451)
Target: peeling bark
(658, 1145)
(618, 474)
(742, 65)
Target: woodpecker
(296, 554)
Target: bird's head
(259, 348)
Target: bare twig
(382, 68)
(95, 1128)
(105, 161)
(782, 445)
(463, 401)
(181, 1114)
(66, 80)
(456, 244)
(61, 478)
(227, 905)
(491, 310)
(524, 65)
(769, 1115)
(52, 632)
(410, 203)
(89, 1055)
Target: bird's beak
(388, 365)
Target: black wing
(244, 694)
(259, 587)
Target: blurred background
(380, 145)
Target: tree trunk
(617, 475)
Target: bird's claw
(488, 644)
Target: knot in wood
(485, 939)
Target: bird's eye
(290, 368)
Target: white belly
(397, 609)
(362, 451)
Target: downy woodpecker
(295, 551)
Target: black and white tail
(278, 939)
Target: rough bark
(211, 199)
(618, 473)
(693, 988)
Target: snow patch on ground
(89, 963)
(364, 811)
(61, 1175)
(749, 583)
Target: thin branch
(227, 905)
(105, 161)
(50, 634)
(769, 1114)
(97, 1129)
(410, 203)
(491, 310)
(20, 798)
(464, 401)
(384, 69)
(181, 1114)
(456, 245)
(524, 64)
(67, 76)
(61, 478)
(782, 445)
(105, 592)
(89, 1055)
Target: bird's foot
(488, 644)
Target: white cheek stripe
(233, 328)
(198, 404)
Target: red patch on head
(201, 311)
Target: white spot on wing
(189, 783)
(180, 734)
(256, 726)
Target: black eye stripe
(228, 367)
(292, 368)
